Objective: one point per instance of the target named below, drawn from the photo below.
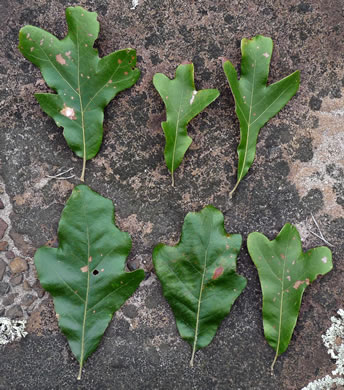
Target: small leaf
(182, 103)
(284, 273)
(85, 274)
(84, 83)
(199, 277)
(256, 103)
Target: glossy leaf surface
(182, 103)
(199, 277)
(84, 83)
(255, 102)
(85, 274)
(284, 273)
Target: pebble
(18, 265)
(1, 205)
(4, 288)
(3, 228)
(16, 279)
(14, 312)
(27, 286)
(38, 288)
(28, 300)
(3, 245)
(9, 299)
(2, 268)
(10, 255)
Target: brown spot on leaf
(282, 256)
(68, 53)
(84, 268)
(90, 259)
(126, 73)
(218, 272)
(298, 283)
(68, 112)
(307, 281)
(119, 61)
(60, 59)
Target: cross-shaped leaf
(84, 83)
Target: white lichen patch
(135, 3)
(11, 330)
(334, 342)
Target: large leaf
(182, 103)
(284, 273)
(85, 274)
(256, 103)
(199, 276)
(84, 83)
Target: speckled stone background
(299, 170)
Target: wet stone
(9, 299)
(3, 245)
(129, 311)
(28, 300)
(3, 228)
(1, 205)
(15, 280)
(10, 255)
(18, 265)
(4, 288)
(14, 312)
(2, 268)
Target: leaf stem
(80, 372)
(82, 177)
(235, 187)
(273, 363)
(172, 174)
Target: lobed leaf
(85, 274)
(284, 273)
(182, 103)
(84, 83)
(199, 277)
(255, 102)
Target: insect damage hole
(95, 272)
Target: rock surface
(298, 171)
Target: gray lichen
(11, 330)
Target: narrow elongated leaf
(84, 83)
(284, 273)
(85, 274)
(199, 276)
(182, 103)
(255, 102)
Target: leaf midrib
(82, 351)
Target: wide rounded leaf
(85, 274)
(199, 277)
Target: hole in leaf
(95, 272)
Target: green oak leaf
(85, 274)
(284, 273)
(182, 103)
(255, 102)
(84, 83)
(199, 277)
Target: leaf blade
(256, 103)
(82, 288)
(284, 272)
(84, 83)
(202, 262)
(182, 103)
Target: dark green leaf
(84, 83)
(85, 274)
(199, 276)
(182, 103)
(256, 103)
(284, 273)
